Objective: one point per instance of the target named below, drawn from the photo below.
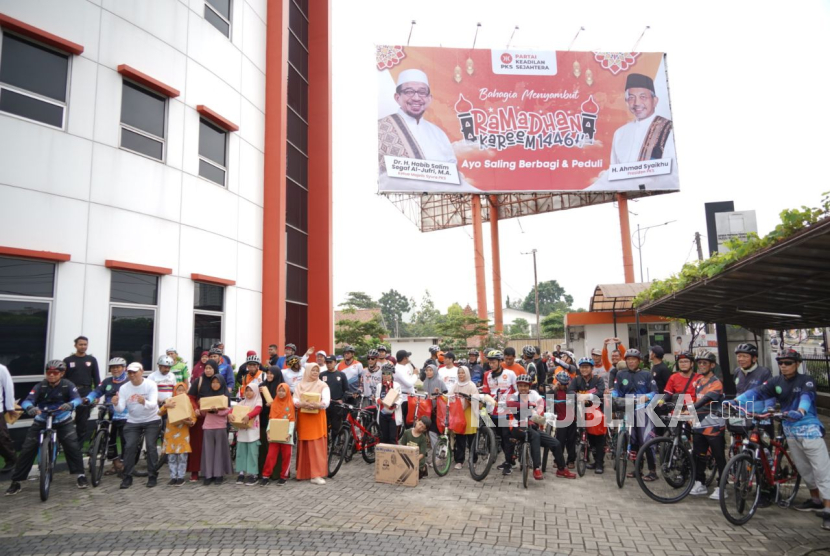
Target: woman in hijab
(434, 386)
(389, 417)
(312, 449)
(273, 378)
(464, 386)
(199, 387)
(248, 444)
(199, 368)
(281, 408)
(216, 452)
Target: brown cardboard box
(391, 398)
(310, 397)
(278, 430)
(237, 413)
(213, 402)
(182, 411)
(396, 465)
(12, 418)
(266, 394)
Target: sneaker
(264, 481)
(13, 489)
(503, 466)
(591, 465)
(565, 474)
(179, 482)
(599, 471)
(715, 494)
(809, 505)
(507, 470)
(699, 489)
(537, 474)
(240, 480)
(207, 481)
(194, 477)
(280, 482)
(251, 481)
(459, 466)
(218, 480)
(318, 481)
(126, 483)
(151, 481)
(82, 482)
(173, 482)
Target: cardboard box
(310, 397)
(237, 413)
(278, 430)
(213, 402)
(266, 394)
(183, 409)
(396, 465)
(390, 398)
(12, 418)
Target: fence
(819, 368)
(546, 344)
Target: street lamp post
(536, 291)
(641, 242)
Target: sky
(745, 78)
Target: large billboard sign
(499, 121)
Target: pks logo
(506, 58)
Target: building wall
(75, 191)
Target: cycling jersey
(46, 397)
(352, 372)
(752, 378)
(108, 388)
(521, 407)
(595, 386)
(370, 378)
(476, 373)
(292, 378)
(637, 383)
(499, 387)
(166, 384)
(799, 392)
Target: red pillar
(478, 242)
(625, 232)
(320, 274)
(273, 199)
(494, 244)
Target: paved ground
(354, 515)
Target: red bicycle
(359, 430)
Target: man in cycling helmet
(107, 389)
(749, 374)
(500, 383)
(54, 393)
(527, 410)
(433, 360)
(353, 369)
(565, 419)
(371, 376)
(708, 433)
(292, 373)
(476, 370)
(588, 389)
(224, 369)
(179, 367)
(164, 378)
(638, 386)
(528, 356)
(383, 353)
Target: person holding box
(268, 392)
(176, 439)
(247, 439)
(388, 397)
(310, 396)
(216, 452)
(282, 408)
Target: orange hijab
(282, 408)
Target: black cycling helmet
(388, 369)
(56, 364)
(215, 351)
(291, 347)
(347, 349)
(685, 355)
(634, 353)
(528, 351)
(747, 348)
(706, 356)
(292, 360)
(789, 353)
(524, 379)
(472, 351)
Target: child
(247, 440)
(281, 408)
(389, 418)
(216, 452)
(176, 440)
(565, 421)
(416, 436)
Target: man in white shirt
(140, 398)
(292, 373)
(6, 407)
(449, 372)
(405, 377)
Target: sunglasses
(53, 372)
(787, 363)
(372, 358)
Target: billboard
(498, 121)
(734, 225)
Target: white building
(509, 317)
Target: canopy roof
(782, 287)
(616, 297)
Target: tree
(553, 325)
(392, 306)
(359, 300)
(457, 328)
(425, 318)
(552, 296)
(520, 328)
(363, 335)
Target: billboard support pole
(625, 232)
(478, 242)
(494, 243)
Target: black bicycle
(100, 443)
(48, 453)
(674, 464)
(483, 450)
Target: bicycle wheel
(441, 456)
(613, 448)
(739, 499)
(98, 457)
(526, 463)
(674, 466)
(337, 452)
(581, 456)
(711, 469)
(369, 442)
(621, 457)
(45, 467)
(787, 479)
(545, 451)
(482, 453)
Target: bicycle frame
(360, 439)
(52, 433)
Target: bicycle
(100, 443)
(359, 430)
(750, 472)
(416, 397)
(483, 449)
(441, 459)
(525, 460)
(47, 453)
(673, 460)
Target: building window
(213, 152)
(26, 294)
(209, 307)
(218, 14)
(133, 307)
(33, 81)
(142, 121)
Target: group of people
(517, 393)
